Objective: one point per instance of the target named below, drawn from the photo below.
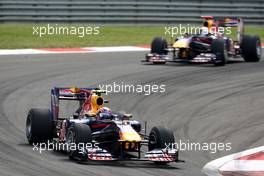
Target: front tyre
(160, 138)
(79, 135)
(159, 46)
(220, 50)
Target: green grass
(21, 36)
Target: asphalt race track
(202, 103)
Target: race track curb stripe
(73, 50)
(247, 163)
(76, 50)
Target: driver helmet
(204, 31)
(105, 110)
(104, 113)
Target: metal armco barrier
(128, 11)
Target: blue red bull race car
(95, 132)
(208, 45)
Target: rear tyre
(39, 125)
(251, 48)
(160, 138)
(78, 134)
(220, 50)
(159, 46)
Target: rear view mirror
(106, 101)
(128, 115)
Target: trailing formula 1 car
(208, 46)
(94, 132)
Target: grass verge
(21, 36)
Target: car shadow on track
(130, 164)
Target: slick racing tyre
(220, 50)
(159, 46)
(251, 48)
(78, 135)
(160, 138)
(39, 125)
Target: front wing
(202, 58)
(98, 154)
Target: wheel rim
(28, 127)
(225, 56)
(258, 49)
(225, 53)
(153, 141)
(69, 140)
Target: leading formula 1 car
(208, 46)
(110, 135)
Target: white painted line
(117, 49)
(72, 50)
(21, 51)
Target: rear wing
(224, 21)
(228, 22)
(64, 93)
(67, 93)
